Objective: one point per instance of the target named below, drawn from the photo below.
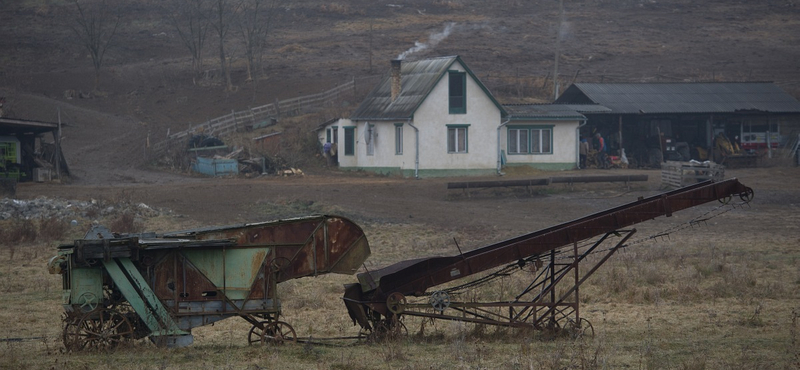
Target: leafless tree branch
(95, 25)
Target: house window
(457, 138)
(328, 135)
(517, 141)
(541, 143)
(398, 138)
(349, 141)
(458, 92)
(370, 139)
(530, 140)
(335, 132)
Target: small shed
(26, 154)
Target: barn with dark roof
(642, 117)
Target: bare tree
(96, 23)
(253, 26)
(224, 10)
(190, 18)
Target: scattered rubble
(291, 172)
(44, 207)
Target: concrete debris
(292, 172)
(44, 207)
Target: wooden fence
(253, 117)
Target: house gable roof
(418, 78)
(707, 97)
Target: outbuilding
(682, 121)
(26, 154)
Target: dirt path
(493, 213)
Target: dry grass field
(723, 295)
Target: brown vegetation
(722, 296)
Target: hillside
(148, 84)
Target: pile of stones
(43, 207)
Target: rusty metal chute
(380, 296)
(307, 245)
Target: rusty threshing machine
(122, 287)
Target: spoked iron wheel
(101, 329)
(580, 329)
(271, 332)
(389, 329)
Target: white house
(434, 117)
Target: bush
(52, 228)
(20, 231)
(126, 223)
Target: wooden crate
(679, 174)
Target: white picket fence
(236, 121)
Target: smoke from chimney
(433, 40)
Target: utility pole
(558, 48)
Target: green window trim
(349, 140)
(457, 92)
(534, 134)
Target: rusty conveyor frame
(382, 293)
(545, 310)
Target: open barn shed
(681, 121)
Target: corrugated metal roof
(705, 97)
(17, 125)
(418, 78)
(543, 111)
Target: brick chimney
(396, 78)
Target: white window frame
(458, 132)
(539, 140)
(398, 139)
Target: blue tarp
(216, 167)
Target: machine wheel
(579, 329)
(102, 329)
(747, 196)
(440, 301)
(396, 303)
(256, 334)
(87, 302)
(273, 332)
(389, 329)
(586, 328)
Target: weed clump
(126, 223)
(20, 231)
(52, 228)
